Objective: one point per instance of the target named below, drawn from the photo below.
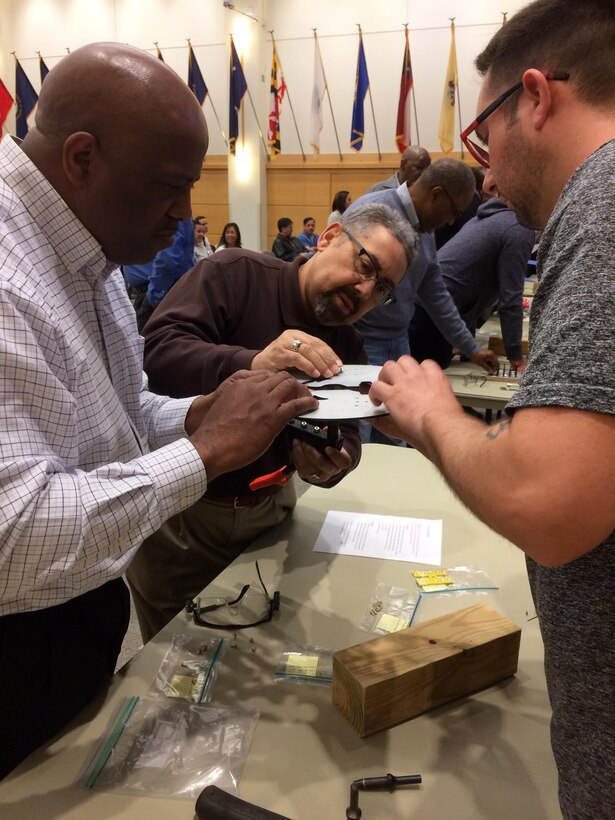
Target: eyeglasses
(480, 153)
(366, 268)
(455, 209)
(241, 612)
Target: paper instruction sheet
(392, 537)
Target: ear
(328, 235)
(436, 192)
(536, 85)
(77, 156)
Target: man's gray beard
(324, 312)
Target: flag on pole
(196, 83)
(6, 101)
(318, 95)
(402, 133)
(159, 53)
(447, 115)
(357, 131)
(26, 98)
(238, 89)
(276, 95)
(43, 68)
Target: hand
(246, 413)
(317, 467)
(412, 392)
(312, 356)
(197, 412)
(486, 359)
(519, 364)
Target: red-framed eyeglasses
(479, 152)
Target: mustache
(351, 294)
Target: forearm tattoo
(494, 431)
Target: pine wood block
(396, 677)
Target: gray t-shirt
(571, 363)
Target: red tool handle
(279, 478)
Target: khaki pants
(174, 564)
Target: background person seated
(230, 237)
(285, 245)
(308, 236)
(341, 201)
(202, 246)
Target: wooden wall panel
(296, 188)
(210, 196)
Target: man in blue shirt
(308, 236)
(149, 283)
(442, 192)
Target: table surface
(482, 756)
(470, 383)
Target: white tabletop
(483, 756)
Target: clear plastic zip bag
(455, 579)
(306, 663)
(171, 748)
(189, 669)
(391, 609)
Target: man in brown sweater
(244, 310)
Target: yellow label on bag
(391, 623)
(306, 665)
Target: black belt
(238, 501)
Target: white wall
(50, 26)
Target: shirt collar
(403, 192)
(75, 246)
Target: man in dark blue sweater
(483, 264)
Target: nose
(181, 207)
(489, 184)
(365, 288)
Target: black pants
(426, 341)
(52, 663)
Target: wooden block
(385, 681)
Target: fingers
(317, 358)
(317, 467)
(247, 414)
(310, 354)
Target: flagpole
(337, 139)
(371, 103)
(211, 102)
(452, 19)
(292, 111)
(416, 119)
(258, 125)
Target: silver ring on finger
(296, 344)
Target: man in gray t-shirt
(548, 119)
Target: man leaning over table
(91, 462)
(547, 134)
(249, 310)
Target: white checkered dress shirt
(90, 462)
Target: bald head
(413, 162)
(111, 87)
(118, 134)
